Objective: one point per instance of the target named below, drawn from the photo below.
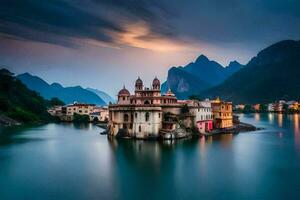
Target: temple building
(150, 114)
(222, 113)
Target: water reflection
(271, 118)
(296, 124)
(257, 117)
(280, 119)
(213, 167)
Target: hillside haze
(17, 102)
(271, 75)
(66, 94)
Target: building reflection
(224, 139)
(296, 124)
(257, 117)
(271, 118)
(280, 119)
(202, 144)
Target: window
(140, 128)
(147, 117)
(135, 114)
(158, 115)
(126, 117)
(123, 98)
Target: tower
(156, 84)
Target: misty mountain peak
(202, 58)
(56, 86)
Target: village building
(55, 111)
(99, 114)
(256, 107)
(201, 113)
(293, 105)
(79, 108)
(222, 113)
(76, 108)
(271, 107)
(279, 106)
(239, 107)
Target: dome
(124, 92)
(138, 82)
(170, 93)
(156, 81)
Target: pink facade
(205, 126)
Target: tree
(248, 109)
(20, 103)
(194, 97)
(56, 102)
(285, 107)
(81, 118)
(263, 108)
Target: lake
(67, 161)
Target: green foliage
(285, 107)
(194, 97)
(248, 109)
(56, 102)
(81, 118)
(263, 108)
(20, 103)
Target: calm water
(64, 161)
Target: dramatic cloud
(102, 38)
(66, 22)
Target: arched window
(126, 118)
(147, 116)
(146, 102)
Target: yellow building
(222, 113)
(79, 108)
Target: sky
(105, 44)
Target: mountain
(198, 76)
(271, 75)
(183, 83)
(102, 95)
(19, 103)
(66, 94)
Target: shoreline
(240, 127)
